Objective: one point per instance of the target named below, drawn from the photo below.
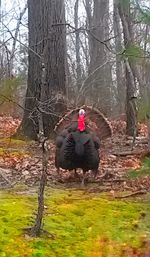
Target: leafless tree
(10, 30)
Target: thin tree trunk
(37, 228)
(119, 63)
(88, 8)
(15, 39)
(77, 44)
(101, 91)
(131, 106)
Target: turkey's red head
(81, 120)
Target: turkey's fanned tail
(95, 120)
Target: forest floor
(121, 167)
(109, 217)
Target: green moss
(146, 163)
(15, 212)
(138, 173)
(84, 225)
(12, 153)
(13, 147)
(13, 142)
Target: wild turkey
(78, 140)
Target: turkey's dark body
(75, 149)
(78, 140)
(86, 157)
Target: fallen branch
(126, 153)
(115, 180)
(110, 181)
(141, 192)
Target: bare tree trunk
(46, 37)
(89, 17)
(101, 91)
(140, 72)
(131, 107)
(77, 44)
(145, 90)
(119, 63)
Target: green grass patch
(83, 225)
(143, 171)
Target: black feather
(77, 150)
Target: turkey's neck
(81, 123)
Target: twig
(11, 100)
(104, 42)
(115, 180)
(27, 47)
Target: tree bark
(120, 76)
(46, 38)
(131, 106)
(89, 17)
(101, 92)
(77, 44)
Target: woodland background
(56, 55)
(93, 52)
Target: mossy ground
(13, 147)
(13, 143)
(82, 225)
